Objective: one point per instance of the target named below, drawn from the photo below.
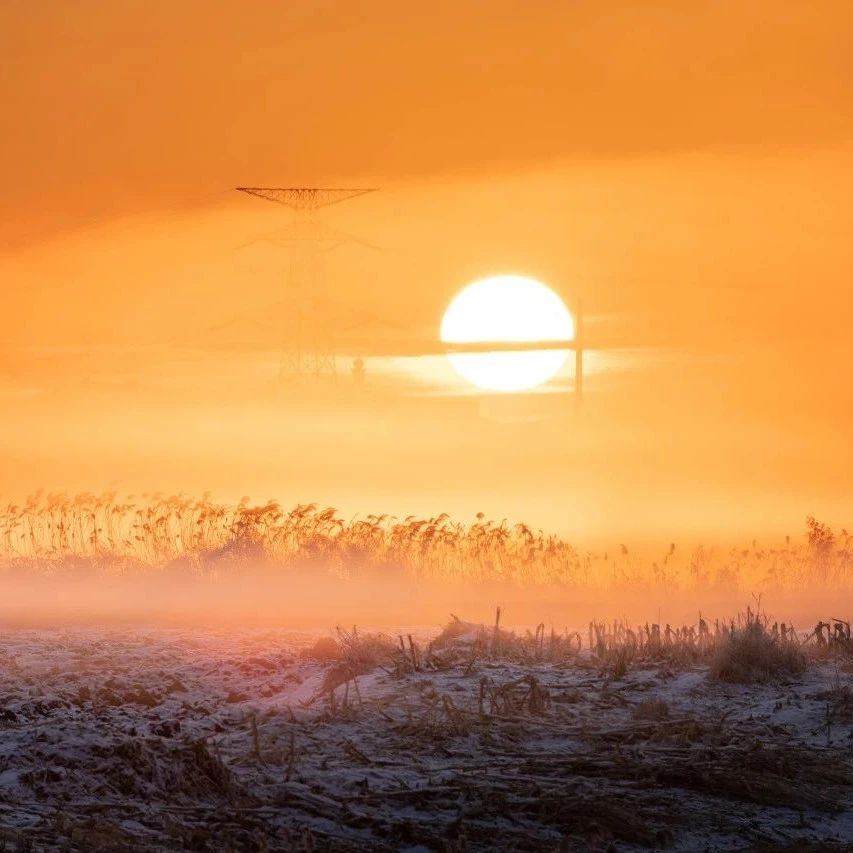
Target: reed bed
(105, 533)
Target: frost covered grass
(751, 653)
(747, 648)
(467, 738)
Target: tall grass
(57, 532)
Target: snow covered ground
(243, 740)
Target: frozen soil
(189, 740)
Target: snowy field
(148, 739)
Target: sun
(507, 308)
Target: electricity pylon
(307, 340)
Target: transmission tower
(307, 340)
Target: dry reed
(103, 533)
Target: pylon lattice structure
(307, 339)
(306, 198)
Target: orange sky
(127, 106)
(685, 167)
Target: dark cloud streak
(115, 108)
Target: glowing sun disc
(507, 308)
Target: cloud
(135, 106)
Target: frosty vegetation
(723, 735)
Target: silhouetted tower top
(306, 198)
(307, 344)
